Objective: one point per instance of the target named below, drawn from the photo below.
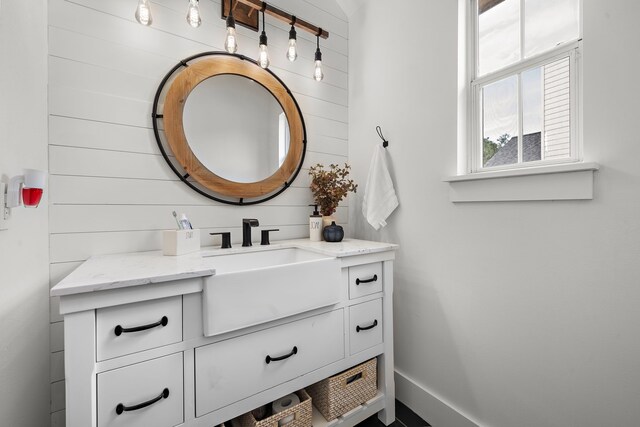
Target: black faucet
(247, 223)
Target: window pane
(548, 23)
(532, 114)
(500, 123)
(498, 35)
(557, 109)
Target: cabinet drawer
(114, 324)
(365, 325)
(231, 370)
(365, 280)
(138, 384)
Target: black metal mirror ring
(119, 330)
(158, 115)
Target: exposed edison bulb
(230, 41)
(317, 72)
(292, 50)
(193, 14)
(263, 57)
(143, 13)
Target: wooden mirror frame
(185, 76)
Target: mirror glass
(236, 128)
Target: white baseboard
(431, 408)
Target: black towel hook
(385, 143)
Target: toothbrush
(175, 215)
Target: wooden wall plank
(57, 366)
(57, 396)
(58, 419)
(56, 333)
(73, 132)
(90, 162)
(120, 191)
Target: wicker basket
(341, 393)
(302, 413)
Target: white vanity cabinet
(136, 353)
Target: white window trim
(572, 177)
(571, 50)
(561, 182)
(526, 171)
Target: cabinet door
(365, 325)
(156, 385)
(160, 320)
(231, 370)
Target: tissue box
(180, 242)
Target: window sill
(556, 182)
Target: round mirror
(229, 129)
(236, 128)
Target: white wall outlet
(4, 210)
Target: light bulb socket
(231, 22)
(318, 55)
(292, 33)
(263, 38)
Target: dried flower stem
(329, 187)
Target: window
(524, 83)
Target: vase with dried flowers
(329, 187)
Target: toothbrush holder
(180, 242)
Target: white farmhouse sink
(256, 287)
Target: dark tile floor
(405, 417)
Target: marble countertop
(141, 268)
(348, 247)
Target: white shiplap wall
(110, 190)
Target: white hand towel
(379, 196)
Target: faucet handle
(226, 239)
(265, 236)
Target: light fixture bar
(285, 17)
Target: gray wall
(24, 308)
(507, 314)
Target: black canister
(333, 233)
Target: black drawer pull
(373, 279)
(119, 330)
(366, 328)
(121, 408)
(270, 359)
